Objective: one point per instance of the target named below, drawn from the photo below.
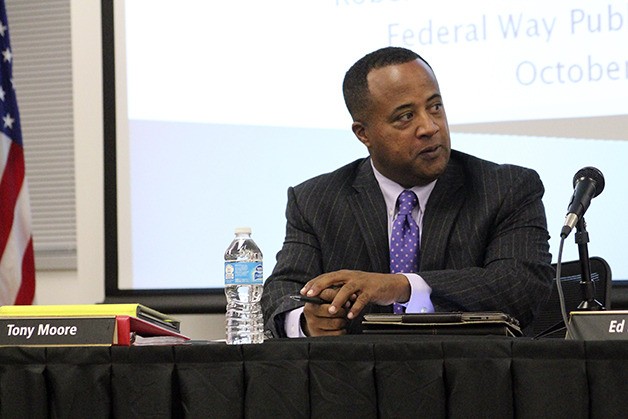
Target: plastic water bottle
(244, 283)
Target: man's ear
(359, 130)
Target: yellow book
(82, 310)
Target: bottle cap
(243, 230)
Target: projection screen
(221, 106)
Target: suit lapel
(370, 211)
(442, 209)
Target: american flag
(17, 264)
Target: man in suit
(483, 235)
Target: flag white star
(7, 55)
(2, 93)
(8, 121)
(3, 29)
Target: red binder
(130, 328)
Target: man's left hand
(359, 288)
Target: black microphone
(588, 183)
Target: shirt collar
(391, 190)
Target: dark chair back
(549, 320)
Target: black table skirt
(349, 377)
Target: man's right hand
(319, 322)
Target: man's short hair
(355, 85)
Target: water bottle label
(243, 273)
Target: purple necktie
(404, 240)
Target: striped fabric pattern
(17, 265)
(484, 244)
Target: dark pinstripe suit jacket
(484, 242)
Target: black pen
(304, 299)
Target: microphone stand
(587, 287)
(589, 303)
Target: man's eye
(406, 116)
(437, 107)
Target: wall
(86, 284)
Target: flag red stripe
(10, 187)
(26, 292)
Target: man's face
(405, 126)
